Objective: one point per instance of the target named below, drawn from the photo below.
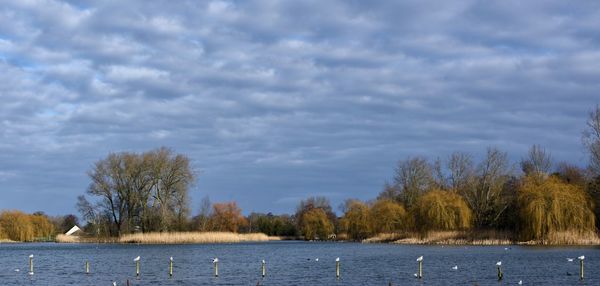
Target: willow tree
(17, 226)
(316, 224)
(356, 220)
(388, 217)
(442, 210)
(551, 206)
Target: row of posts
(419, 274)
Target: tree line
(19, 226)
(532, 199)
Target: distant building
(75, 229)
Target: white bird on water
(581, 257)
(317, 259)
(499, 263)
(455, 267)
(17, 270)
(136, 259)
(520, 282)
(570, 259)
(114, 283)
(420, 258)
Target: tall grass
(194, 237)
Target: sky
(276, 101)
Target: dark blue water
(293, 263)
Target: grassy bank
(482, 238)
(175, 238)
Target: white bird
(569, 259)
(114, 283)
(263, 261)
(31, 256)
(215, 260)
(420, 258)
(520, 282)
(171, 258)
(581, 257)
(17, 270)
(506, 248)
(337, 259)
(317, 259)
(455, 267)
(416, 275)
(136, 259)
(499, 263)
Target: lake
(294, 263)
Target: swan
(455, 267)
(420, 258)
(136, 259)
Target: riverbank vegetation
(460, 199)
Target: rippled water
(293, 263)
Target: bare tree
(461, 170)
(413, 178)
(591, 139)
(484, 196)
(538, 162)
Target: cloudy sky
(276, 101)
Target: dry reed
(194, 237)
(61, 238)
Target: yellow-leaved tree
(549, 207)
(356, 220)
(316, 224)
(388, 216)
(17, 225)
(442, 210)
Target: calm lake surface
(293, 263)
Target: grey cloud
(275, 101)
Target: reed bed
(194, 237)
(61, 238)
(457, 238)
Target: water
(293, 263)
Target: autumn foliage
(227, 217)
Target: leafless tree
(413, 178)
(538, 162)
(591, 139)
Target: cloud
(276, 101)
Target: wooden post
(137, 266)
(31, 264)
(581, 258)
(171, 266)
(264, 268)
(499, 267)
(420, 273)
(87, 267)
(216, 264)
(337, 267)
